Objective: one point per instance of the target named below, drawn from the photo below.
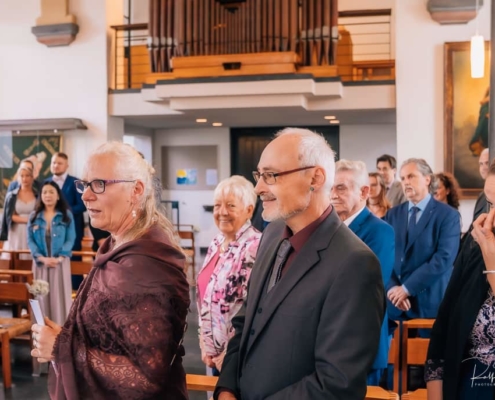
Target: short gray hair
(358, 169)
(314, 150)
(423, 167)
(238, 186)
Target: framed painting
(14, 148)
(466, 116)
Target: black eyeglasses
(97, 185)
(270, 178)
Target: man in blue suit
(349, 195)
(59, 167)
(427, 235)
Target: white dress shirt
(60, 180)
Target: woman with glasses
(123, 336)
(51, 235)
(222, 281)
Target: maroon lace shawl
(125, 326)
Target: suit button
(399, 276)
(260, 310)
(252, 331)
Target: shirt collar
(60, 178)
(422, 204)
(349, 220)
(298, 240)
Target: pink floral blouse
(227, 287)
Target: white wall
(58, 82)
(420, 82)
(367, 142)
(192, 201)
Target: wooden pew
(419, 394)
(394, 358)
(17, 276)
(205, 383)
(16, 293)
(413, 350)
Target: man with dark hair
(386, 166)
(59, 167)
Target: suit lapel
(304, 262)
(422, 223)
(261, 270)
(356, 225)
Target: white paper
(211, 177)
(38, 314)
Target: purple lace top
(481, 342)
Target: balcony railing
(201, 38)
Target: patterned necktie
(282, 254)
(411, 226)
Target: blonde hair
(18, 173)
(130, 165)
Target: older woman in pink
(222, 281)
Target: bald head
(484, 163)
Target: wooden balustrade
(195, 28)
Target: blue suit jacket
(424, 263)
(379, 237)
(76, 205)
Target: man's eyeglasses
(98, 185)
(270, 178)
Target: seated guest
(51, 235)
(377, 201)
(18, 205)
(447, 189)
(123, 337)
(222, 282)
(461, 355)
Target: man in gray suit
(386, 166)
(310, 326)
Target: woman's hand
(218, 360)
(207, 360)
(51, 262)
(44, 339)
(483, 234)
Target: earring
(133, 214)
(311, 189)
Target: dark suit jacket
(76, 205)
(395, 195)
(380, 238)
(424, 263)
(480, 206)
(319, 333)
(466, 293)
